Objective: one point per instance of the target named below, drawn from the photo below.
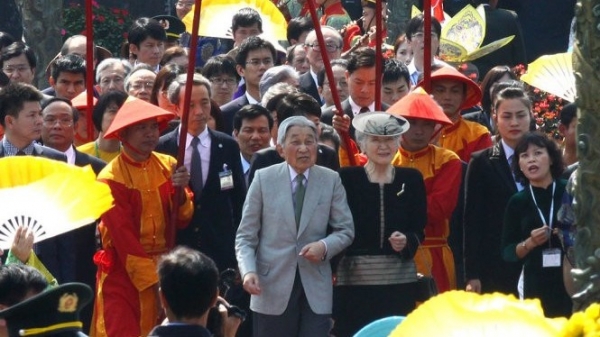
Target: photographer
(188, 290)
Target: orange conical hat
(418, 104)
(80, 101)
(473, 96)
(135, 110)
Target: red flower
(101, 18)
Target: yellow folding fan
(553, 74)
(48, 196)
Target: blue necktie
(196, 169)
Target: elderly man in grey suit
(294, 220)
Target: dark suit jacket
(489, 186)
(42, 151)
(546, 24)
(217, 213)
(501, 23)
(479, 116)
(228, 111)
(179, 330)
(308, 86)
(327, 115)
(326, 156)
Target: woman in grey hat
(376, 275)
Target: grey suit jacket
(268, 242)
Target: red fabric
(437, 10)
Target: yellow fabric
(34, 261)
(90, 148)
(427, 161)
(137, 268)
(51, 328)
(464, 136)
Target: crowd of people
(265, 228)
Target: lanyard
(549, 223)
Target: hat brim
(473, 94)
(134, 111)
(364, 123)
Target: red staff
(89, 69)
(427, 48)
(378, 53)
(184, 117)
(329, 73)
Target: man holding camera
(188, 290)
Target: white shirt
(251, 100)
(70, 153)
(245, 168)
(203, 148)
(356, 108)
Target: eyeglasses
(142, 85)
(64, 122)
(181, 4)
(20, 69)
(329, 47)
(256, 62)
(421, 35)
(228, 81)
(106, 81)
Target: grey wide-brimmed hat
(380, 124)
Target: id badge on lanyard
(551, 257)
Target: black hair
(298, 26)
(251, 112)
(539, 139)
(6, 39)
(74, 111)
(69, 63)
(217, 115)
(328, 133)
(321, 74)
(143, 28)
(113, 96)
(166, 75)
(13, 97)
(18, 280)
(172, 53)
(188, 280)
(246, 17)
(289, 56)
(394, 70)
(567, 114)
(416, 24)
(362, 58)
(253, 43)
(220, 65)
(490, 79)
(15, 49)
(296, 104)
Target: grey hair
(294, 121)
(361, 139)
(312, 35)
(111, 62)
(279, 88)
(175, 87)
(138, 67)
(276, 75)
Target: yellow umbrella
(553, 74)
(48, 196)
(216, 15)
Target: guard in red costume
(136, 230)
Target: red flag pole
(185, 115)
(427, 47)
(378, 52)
(329, 73)
(89, 62)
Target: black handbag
(425, 288)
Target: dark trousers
(298, 320)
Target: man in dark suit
(334, 44)
(255, 56)
(361, 78)
(213, 160)
(74, 251)
(294, 104)
(500, 23)
(188, 290)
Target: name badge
(551, 258)
(226, 178)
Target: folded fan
(553, 74)
(49, 197)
